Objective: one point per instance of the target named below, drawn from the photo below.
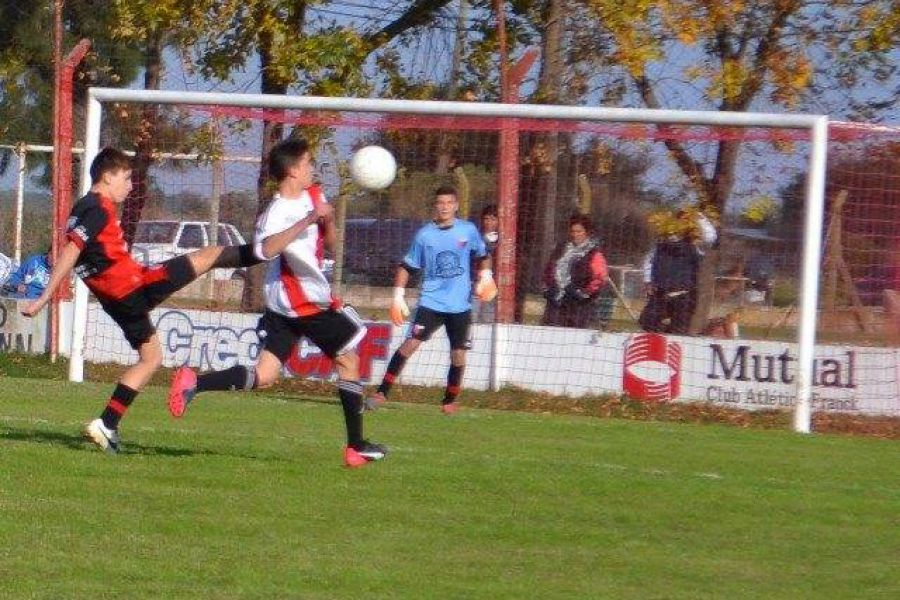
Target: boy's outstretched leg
(186, 384)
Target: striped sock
(236, 378)
(351, 395)
(121, 399)
(393, 371)
(454, 379)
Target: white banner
(570, 362)
(22, 334)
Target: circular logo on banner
(652, 368)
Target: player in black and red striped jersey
(95, 247)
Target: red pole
(63, 145)
(62, 168)
(508, 172)
(56, 220)
(507, 189)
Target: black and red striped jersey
(104, 264)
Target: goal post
(813, 127)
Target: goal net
(639, 178)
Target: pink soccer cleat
(363, 453)
(182, 390)
(449, 408)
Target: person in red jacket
(574, 278)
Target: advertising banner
(742, 374)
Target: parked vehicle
(374, 247)
(156, 241)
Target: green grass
(245, 498)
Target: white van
(156, 241)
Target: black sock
(121, 399)
(234, 257)
(393, 370)
(247, 256)
(454, 378)
(235, 378)
(351, 395)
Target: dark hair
(583, 220)
(285, 155)
(109, 160)
(489, 211)
(445, 190)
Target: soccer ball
(373, 168)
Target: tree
(26, 63)
(326, 60)
(741, 56)
(866, 171)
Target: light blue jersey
(444, 256)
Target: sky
(429, 57)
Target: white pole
(812, 254)
(498, 347)
(20, 201)
(474, 109)
(80, 309)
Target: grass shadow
(77, 442)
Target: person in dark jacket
(574, 278)
(671, 277)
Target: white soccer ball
(373, 168)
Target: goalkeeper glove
(486, 289)
(399, 309)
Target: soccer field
(246, 498)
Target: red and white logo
(652, 368)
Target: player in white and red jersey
(298, 302)
(295, 283)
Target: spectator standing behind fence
(574, 278)
(30, 279)
(486, 312)
(670, 273)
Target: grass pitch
(246, 498)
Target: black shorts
(427, 321)
(333, 331)
(132, 313)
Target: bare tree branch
(419, 13)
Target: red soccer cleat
(450, 408)
(353, 459)
(362, 453)
(182, 390)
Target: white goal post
(816, 125)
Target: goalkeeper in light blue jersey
(442, 252)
